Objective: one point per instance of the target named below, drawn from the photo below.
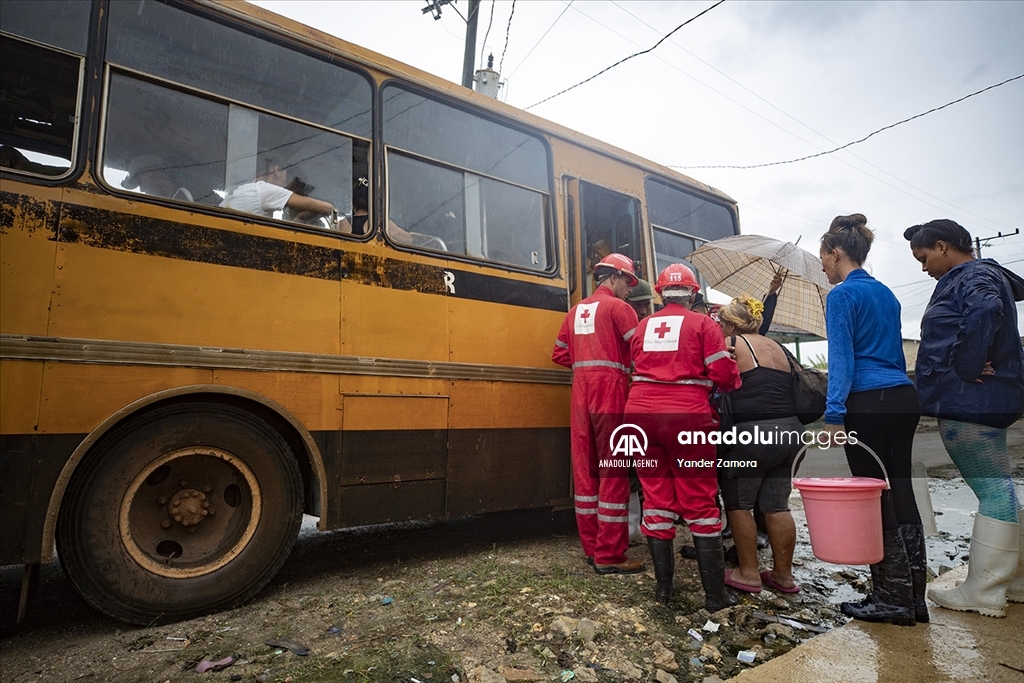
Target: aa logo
(628, 441)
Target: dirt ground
(504, 597)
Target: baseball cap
(641, 291)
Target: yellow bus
(251, 271)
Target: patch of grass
(394, 660)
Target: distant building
(910, 347)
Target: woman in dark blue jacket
(970, 375)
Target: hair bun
(854, 221)
(909, 233)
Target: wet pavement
(952, 647)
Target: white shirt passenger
(260, 198)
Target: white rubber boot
(1015, 591)
(994, 553)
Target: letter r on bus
(449, 281)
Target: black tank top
(766, 394)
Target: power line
(626, 59)
(564, 10)
(483, 45)
(856, 142)
(781, 128)
(916, 283)
(819, 134)
(508, 30)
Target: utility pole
(469, 57)
(998, 235)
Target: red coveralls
(678, 355)
(594, 342)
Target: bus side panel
(484, 332)
(28, 231)
(509, 446)
(78, 397)
(156, 276)
(29, 467)
(507, 469)
(380, 322)
(393, 457)
(23, 486)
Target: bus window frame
(587, 273)
(291, 43)
(76, 161)
(693, 192)
(551, 229)
(207, 209)
(458, 169)
(699, 241)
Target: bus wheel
(186, 510)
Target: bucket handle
(803, 451)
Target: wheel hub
(189, 507)
(167, 519)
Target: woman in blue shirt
(970, 375)
(872, 400)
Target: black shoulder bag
(810, 386)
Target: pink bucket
(844, 515)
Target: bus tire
(186, 510)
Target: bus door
(600, 221)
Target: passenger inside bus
(150, 175)
(271, 191)
(360, 210)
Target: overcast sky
(758, 82)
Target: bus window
(309, 162)
(682, 221)
(609, 222)
(176, 45)
(164, 142)
(671, 247)
(464, 184)
(39, 118)
(63, 24)
(439, 208)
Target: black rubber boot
(871, 593)
(711, 565)
(913, 540)
(664, 567)
(892, 596)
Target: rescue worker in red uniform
(678, 356)
(594, 342)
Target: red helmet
(621, 264)
(676, 275)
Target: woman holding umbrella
(872, 400)
(970, 375)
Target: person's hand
(987, 371)
(832, 431)
(776, 283)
